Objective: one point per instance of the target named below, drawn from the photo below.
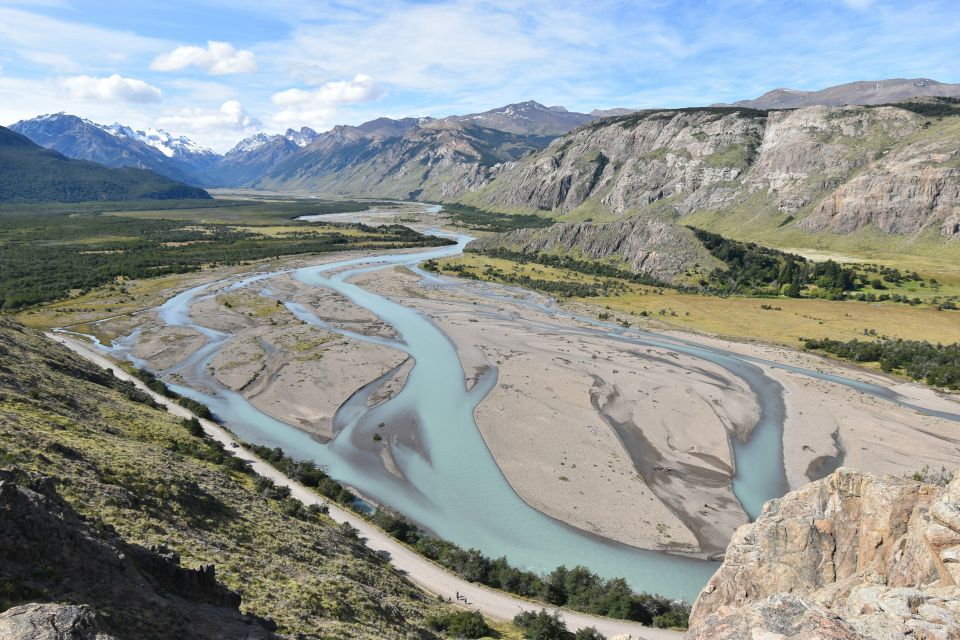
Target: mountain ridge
(31, 173)
(118, 146)
(862, 92)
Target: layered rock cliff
(835, 169)
(849, 556)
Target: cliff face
(835, 169)
(849, 556)
(660, 248)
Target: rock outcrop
(50, 556)
(51, 622)
(849, 556)
(659, 248)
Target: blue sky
(219, 70)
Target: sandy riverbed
(630, 443)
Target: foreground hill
(863, 92)
(848, 557)
(30, 173)
(140, 479)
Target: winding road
(426, 574)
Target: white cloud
(219, 58)
(230, 116)
(217, 128)
(859, 5)
(317, 107)
(113, 88)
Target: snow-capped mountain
(301, 138)
(166, 143)
(178, 158)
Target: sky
(220, 70)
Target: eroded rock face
(883, 554)
(835, 169)
(657, 247)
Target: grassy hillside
(30, 173)
(129, 467)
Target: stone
(880, 554)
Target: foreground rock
(849, 556)
(51, 622)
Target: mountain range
(251, 161)
(30, 173)
(177, 158)
(736, 169)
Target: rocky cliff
(849, 556)
(836, 169)
(659, 248)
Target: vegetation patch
(936, 364)
(46, 256)
(475, 219)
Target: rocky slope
(138, 480)
(863, 92)
(659, 248)
(116, 588)
(435, 161)
(527, 118)
(850, 556)
(839, 169)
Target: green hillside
(135, 472)
(30, 173)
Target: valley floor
(627, 443)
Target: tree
(588, 633)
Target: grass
(104, 302)
(735, 317)
(54, 254)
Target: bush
(194, 428)
(459, 624)
(541, 625)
